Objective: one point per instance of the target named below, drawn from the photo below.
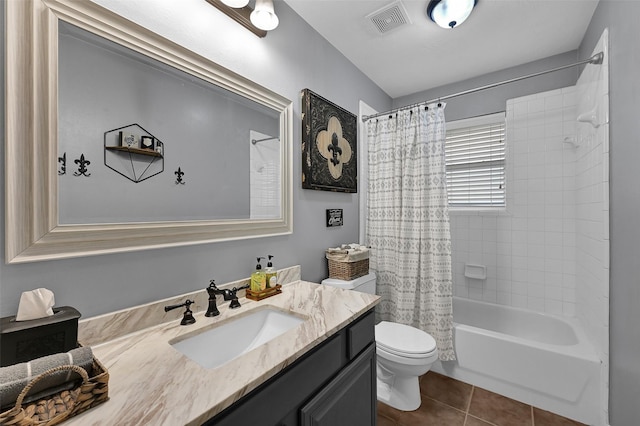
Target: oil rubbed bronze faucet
(227, 294)
(212, 310)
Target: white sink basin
(219, 345)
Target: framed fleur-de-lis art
(329, 145)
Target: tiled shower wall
(592, 184)
(264, 176)
(529, 247)
(548, 250)
(592, 187)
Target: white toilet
(403, 352)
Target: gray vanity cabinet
(334, 384)
(346, 400)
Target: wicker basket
(348, 270)
(62, 405)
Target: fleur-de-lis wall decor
(329, 145)
(82, 166)
(334, 147)
(179, 173)
(63, 164)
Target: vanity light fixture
(236, 4)
(263, 16)
(450, 13)
(242, 14)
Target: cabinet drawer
(360, 334)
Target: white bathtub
(539, 359)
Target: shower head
(597, 59)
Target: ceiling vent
(389, 17)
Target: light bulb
(263, 16)
(236, 4)
(450, 13)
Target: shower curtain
(407, 223)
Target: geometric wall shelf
(133, 152)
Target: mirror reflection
(74, 190)
(158, 144)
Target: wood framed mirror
(33, 229)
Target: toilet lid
(403, 339)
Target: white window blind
(475, 162)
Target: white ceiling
(418, 56)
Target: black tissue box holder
(22, 341)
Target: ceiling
(419, 55)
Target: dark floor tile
(474, 421)
(498, 409)
(432, 413)
(389, 412)
(546, 418)
(446, 390)
(445, 401)
(385, 421)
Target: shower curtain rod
(255, 141)
(595, 59)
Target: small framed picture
(334, 217)
(147, 142)
(130, 140)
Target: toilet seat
(404, 340)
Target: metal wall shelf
(124, 155)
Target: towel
(348, 253)
(14, 378)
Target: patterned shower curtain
(408, 222)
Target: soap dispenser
(258, 278)
(271, 274)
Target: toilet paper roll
(35, 304)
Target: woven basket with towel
(50, 389)
(348, 262)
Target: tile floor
(449, 402)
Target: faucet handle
(187, 318)
(235, 303)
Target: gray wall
(621, 17)
(292, 57)
(494, 100)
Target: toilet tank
(365, 284)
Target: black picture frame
(334, 218)
(147, 142)
(329, 145)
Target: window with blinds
(475, 162)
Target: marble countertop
(152, 383)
